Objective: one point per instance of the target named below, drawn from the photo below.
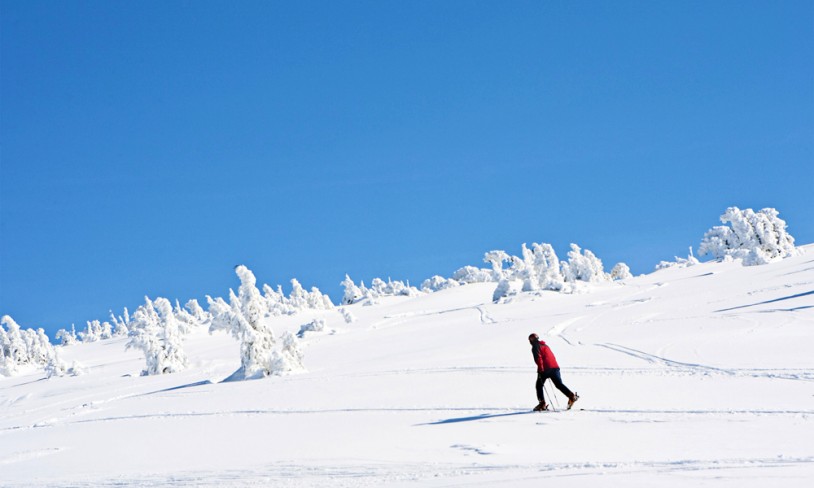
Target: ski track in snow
(401, 318)
(800, 375)
(475, 413)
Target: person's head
(533, 338)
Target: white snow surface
(695, 376)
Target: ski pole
(552, 396)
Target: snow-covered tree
(121, 324)
(506, 289)
(96, 331)
(158, 334)
(316, 300)
(620, 272)
(583, 267)
(755, 237)
(679, 262)
(438, 283)
(347, 315)
(298, 297)
(496, 259)
(13, 346)
(200, 316)
(55, 366)
(541, 269)
(276, 301)
(67, 338)
(471, 274)
(352, 292)
(244, 319)
(22, 347)
(316, 325)
(288, 358)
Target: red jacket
(543, 357)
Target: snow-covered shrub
(378, 288)
(347, 315)
(187, 320)
(288, 358)
(159, 335)
(197, 312)
(620, 272)
(583, 267)
(276, 303)
(13, 349)
(505, 290)
(67, 338)
(298, 297)
(57, 367)
(755, 237)
(471, 274)
(121, 324)
(96, 331)
(21, 347)
(438, 283)
(690, 260)
(316, 325)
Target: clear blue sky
(149, 147)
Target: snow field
(700, 375)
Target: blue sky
(149, 147)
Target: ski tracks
(678, 366)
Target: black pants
(554, 374)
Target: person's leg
(557, 380)
(539, 387)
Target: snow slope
(700, 375)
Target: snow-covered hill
(695, 375)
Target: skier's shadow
(484, 416)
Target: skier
(547, 367)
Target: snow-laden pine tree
(755, 237)
(159, 335)
(201, 317)
(66, 338)
(243, 317)
(352, 292)
(316, 300)
(96, 331)
(541, 270)
(121, 324)
(299, 297)
(471, 274)
(496, 258)
(289, 357)
(438, 283)
(22, 347)
(276, 302)
(583, 267)
(14, 349)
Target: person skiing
(547, 367)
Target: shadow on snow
(483, 416)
